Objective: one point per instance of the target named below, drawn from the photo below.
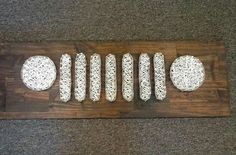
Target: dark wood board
(210, 100)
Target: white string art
(159, 76)
(95, 77)
(127, 77)
(80, 77)
(65, 78)
(144, 77)
(110, 78)
(187, 73)
(38, 73)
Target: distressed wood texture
(18, 102)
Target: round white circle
(38, 73)
(187, 73)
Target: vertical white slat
(110, 78)
(127, 77)
(65, 78)
(95, 77)
(80, 77)
(159, 76)
(144, 77)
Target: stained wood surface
(18, 102)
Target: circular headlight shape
(187, 73)
(38, 73)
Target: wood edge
(75, 115)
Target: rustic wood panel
(18, 102)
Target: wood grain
(18, 102)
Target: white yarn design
(65, 78)
(144, 77)
(187, 73)
(159, 76)
(110, 81)
(80, 77)
(127, 77)
(38, 73)
(95, 77)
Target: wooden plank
(18, 102)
